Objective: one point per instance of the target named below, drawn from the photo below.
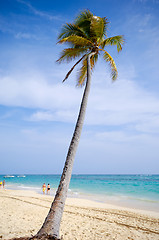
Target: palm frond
(82, 17)
(68, 74)
(105, 28)
(83, 71)
(71, 29)
(77, 41)
(70, 54)
(116, 40)
(107, 57)
(93, 26)
(93, 60)
(97, 28)
(85, 26)
(88, 34)
(83, 21)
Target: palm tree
(87, 38)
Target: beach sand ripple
(23, 212)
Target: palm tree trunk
(51, 225)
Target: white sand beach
(23, 212)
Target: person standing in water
(48, 188)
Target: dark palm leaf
(68, 74)
(105, 20)
(83, 21)
(69, 30)
(82, 17)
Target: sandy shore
(23, 212)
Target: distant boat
(9, 176)
(21, 176)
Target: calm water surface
(141, 191)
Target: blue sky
(38, 112)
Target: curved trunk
(51, 225)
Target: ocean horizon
(127, 190)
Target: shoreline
(124, 201)
(23, 212)
(126, 190)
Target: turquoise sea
(137, 191)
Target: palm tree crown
(88, 34)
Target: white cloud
(37, 93)
(15, 29)
(22, 35)
(150, 125)
(38, 12)
(62, 116)
(125, 137)
(121, 103)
